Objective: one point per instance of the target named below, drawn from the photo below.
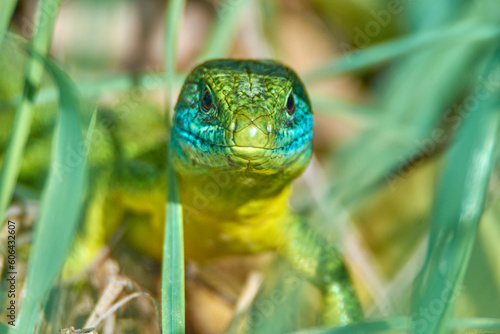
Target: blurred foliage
(406, 101)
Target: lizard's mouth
(264, 159)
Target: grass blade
(6, 10)
(378, 326)
(476, 323)
(97, 87)
(175, 12)
(456, 214)
(172, 288)
(339, 108)
(39, 47)
(464, 32)
(224, 30)
(60, 206)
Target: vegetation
(405, 175)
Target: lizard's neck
(222, 208)
(225, 193)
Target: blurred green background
(406, 100)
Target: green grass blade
(269, 22)
(224, 30)
(400, 325)
(90, 131)
(172, 294)
(458, 208)
(96, 88)
(40, 46)
(175, 12)
(60, 206)
(460, 33)
(6, 10)
(336, 107)
(172, 286)
(476, 323)
(13, 155)
(378, 326)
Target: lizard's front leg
(311, 256)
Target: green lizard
(242, 133)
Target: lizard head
(242, 116)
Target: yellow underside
(255, 227)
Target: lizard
(242, 133)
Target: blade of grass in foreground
(6, 10)
(172, 286)
(456, 214)
(172, 275)
(34, 70)
(61, 203)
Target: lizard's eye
(206, 100)
(290, 104)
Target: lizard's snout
(251, 126)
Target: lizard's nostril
(251, 126)
(251, 136)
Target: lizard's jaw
(271, 160)
(195, 155)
